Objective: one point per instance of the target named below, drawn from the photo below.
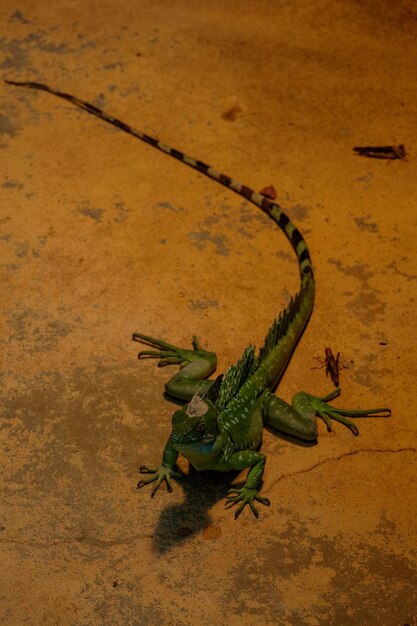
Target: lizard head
(194, 427)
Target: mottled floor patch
(366, 303)
(232, 114)
(251, 219)
(393, 266)
(12, 184)
(364, 223)
(366, 179)
(95, 214)
(122, 212)
(169, 207)
(204, 304)
(285, 256)
(7, 127)
(37, 329)
(351, 585)
(220, 242)
(22, 250)
(18, 53)
(368, 376)
(367, 306)
(87, 416)
(298, 212)
(361, 271)
(112, 66)
(245, 219)
(18, 16)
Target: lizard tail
(285, 331)
(272, 209)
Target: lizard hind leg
(300, 419)
(298, 422)
(195, 365)
(327, 412)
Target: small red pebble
(269, 192)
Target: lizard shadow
(178, 522)
(202, 490)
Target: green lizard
(221, 424)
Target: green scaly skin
(220, 427)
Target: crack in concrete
(342, 456)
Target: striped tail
(288, 327)
(270, 208)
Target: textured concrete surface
(101, 235)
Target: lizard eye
(201, 427)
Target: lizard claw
(167, 353)
(159, 475)
(247, 495)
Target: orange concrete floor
(102, 235)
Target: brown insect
(332, 364)
(382, 152)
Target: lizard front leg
(249, 492)
(163, 472)
(195, 365)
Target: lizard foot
(160, 474)
(328, 412)
(246, 495)
(169, 354)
